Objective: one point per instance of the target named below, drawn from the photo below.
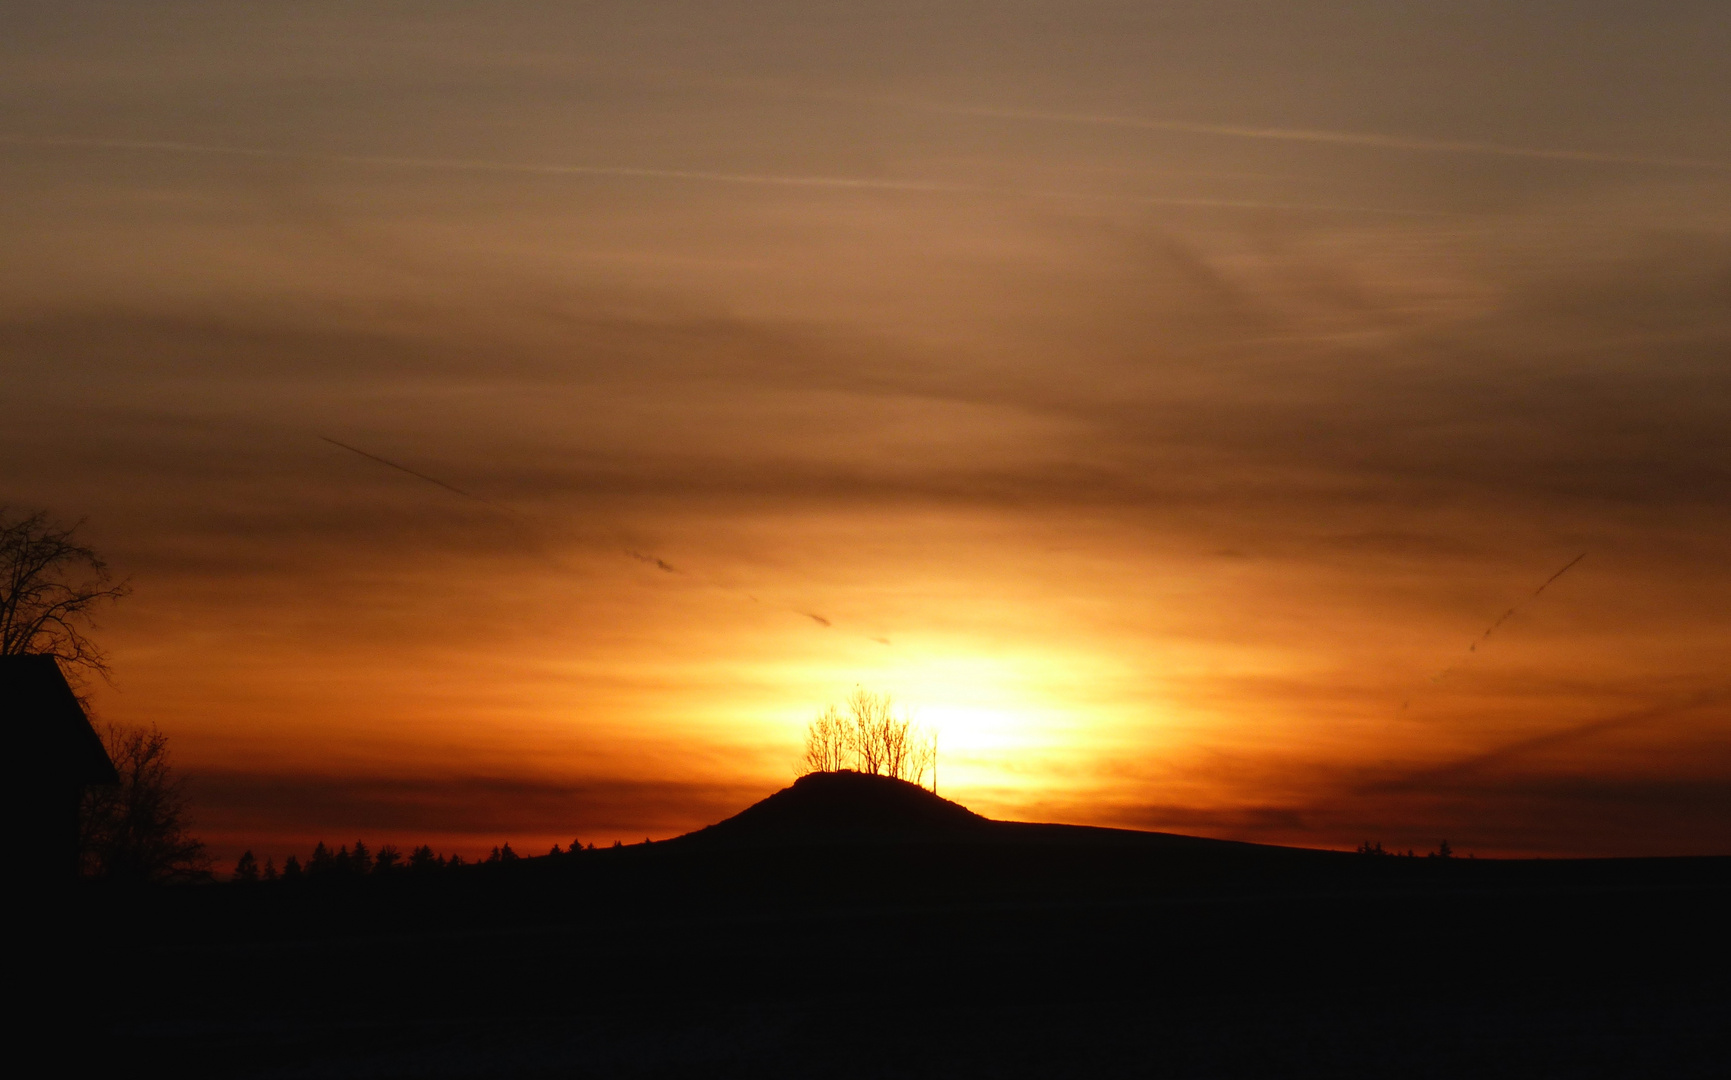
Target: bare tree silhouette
(870, 737)
(828, 743)
(137, 830)
(49, 587)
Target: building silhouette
(55, 754)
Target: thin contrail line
(421, 475)
(1341, 138)
(1497, 625)
(834, 183)
(1504, 617)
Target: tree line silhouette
(1376, 850)
(361, 862)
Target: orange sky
(1159, 399)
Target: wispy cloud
(1549, 741)
(1369, 140)
(401, 808)
(914, 186)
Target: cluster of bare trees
(866, 734)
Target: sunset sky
(1160, 399)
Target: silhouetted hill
(851, 807)
(764, 946)
(844, 807)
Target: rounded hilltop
(845, 805)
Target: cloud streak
(1366, 140)
(1553, 740)
(400, 808)
(703, 176)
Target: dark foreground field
(940, 948)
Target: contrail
(1504, 617)
(659, 564)
(1341, 138)
(1500, 620)
(843, 183)
(650, 560)
(421, 475)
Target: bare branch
(829, 743)
(50, 585)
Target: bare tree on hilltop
(870, 737)
(49, 587)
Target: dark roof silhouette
(844, 806)
(43, 717)
(56, 754)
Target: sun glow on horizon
(1162, 471)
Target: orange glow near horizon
(1064, 383)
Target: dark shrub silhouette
(246, 869)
